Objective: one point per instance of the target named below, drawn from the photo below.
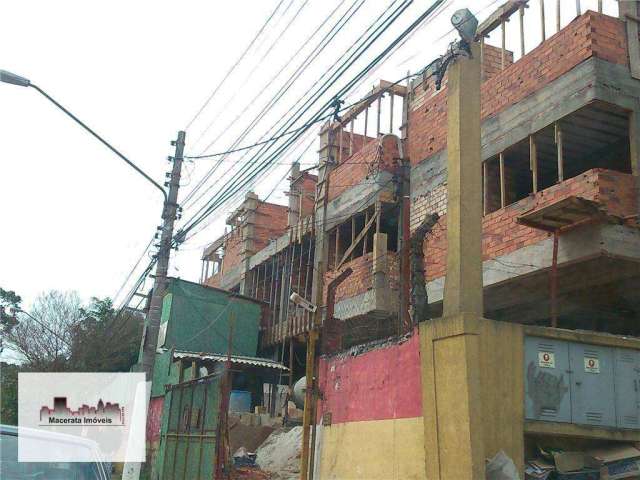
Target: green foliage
(9, 298)
(8, 394)
(105, 340)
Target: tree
(44, 337)
(9, 393)
(8, 300)
(104, 339)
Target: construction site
(453, 292)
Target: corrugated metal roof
(255, 361)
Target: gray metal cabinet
(581, 383)
(592, 385)
(627, 384)
(547, 395)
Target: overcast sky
(75, 217)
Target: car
(11, 469)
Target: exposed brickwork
(232, 250)
(372, 157)
(305, 185)
(590, 35)
(434, 201)
(361, 279)
(214, 280)
(358, 282)
(271, 223)
(501, 234)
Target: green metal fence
(188, 431)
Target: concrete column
(380, 268)
(634, 149)
(249, 207)
(463, 284)
(295, 193)
(450, 347)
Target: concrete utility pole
(152, 324)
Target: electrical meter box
(581, 383)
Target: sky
(75, 217)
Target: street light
(13, 79)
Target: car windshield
(11, 469)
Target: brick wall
(361, 279)
(271, 223)
(213, 281)
(305, 185)
(590, 35)
(232, 250)
(373, 156)
(501, 234)
(358, 282)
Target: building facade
(560, 163)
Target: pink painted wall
(154, 417)
(378, 385)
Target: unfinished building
(367, 237)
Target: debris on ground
(501, 467)
(243, 458)
(611, 462)
(279, 455)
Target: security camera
(466, 23)
(303, 302)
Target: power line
(328, 37)
(363, 47)
(263, 57)
(233, 67)
(366, 43)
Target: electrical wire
(368, 42)
(233, 67)
(263, 57)
(329, 36)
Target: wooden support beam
(533, 163)
(351, 139)
(558, 16)
(353, 232)
(356, 241)
(337, 252)
(503, 194)
(366, 122)
(521, 31)
(482, 72)
(378, 117)
(599, 6)
(558, 130)
(542, 21)
(392, 96)
(485, 187)
(503, 50)
(364, 243)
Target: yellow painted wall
(376, 449)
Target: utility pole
(147, 356)
(152, 324)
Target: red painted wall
(154, 418)
(377, 385)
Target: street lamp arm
(104, 142)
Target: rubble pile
(279, 455)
